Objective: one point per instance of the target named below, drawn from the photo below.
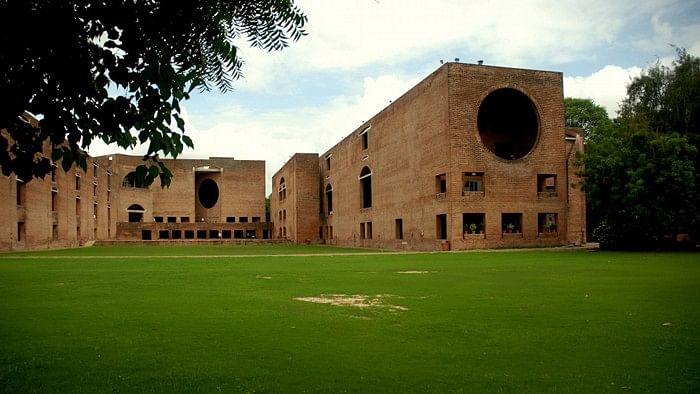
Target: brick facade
(470, 144)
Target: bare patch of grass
(355, 301)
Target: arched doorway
(135, 212)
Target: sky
(361, 54)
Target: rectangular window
(109, 180)
(364, 136)
(237, 233)
(243, 219)
(472, 182)
(20, 231)
(330, 232)
(77, 182)
(163, 234)
(369, 230)
(94, 170)
(328, 162)
(230, 219)
(441, 226)
(177, 234)
(146, 235)
(473, 223)
(547, 223)
(21, 192)
(362, 231)
(214, 234)
(77, 206)
(54, 200)
(226, 234)
(546, 185)
(172, 219)
(512, 222)
(184, 219)
(256, 219)
(189, 234)
(441, 184)
(94, 189)
(201, 234)
(158, 219)
(399, 228)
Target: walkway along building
(473, 156)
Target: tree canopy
(586, 114)
(118, 70)
(641, 171)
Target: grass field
(239, 319)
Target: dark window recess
(441, 226)
(250, 233)
(214, 233)
(230, 219)
(473, 223)
(441, 183)
(164, 234)
(189, 234)
(158, 219)
(362, 231)
(329, 199)
(146, 235)
(226, 234)
(365, 138)
(399, 228)
(237, 233)
(328, 163)
(208, 193)
(369, 230)
(172, 219)
(21, 193)
(177, 234)
(366, 186)
(184, 219)
(508, 123)
(546, 183)
(243, 219)
(512, 222)
(256, 219)
(201, 234)
(547, 222)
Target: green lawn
(525, 321)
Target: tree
(586, 114)
(118, 70)
(642, 171)
(640, 186)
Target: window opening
(473, 223)
(399, 228)
(146, 235)
(547, 222)
(546, 185)
(364, 135)
(329, 199)
(441, 183)
(441, 226)
(512, 222)
(366, 187)
(472, 182)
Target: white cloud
(274, 136)
(606, 87)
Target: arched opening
(282, 190)
(135, 212)
(208, 193)
(508, 123)
(132, 181)
(366, 187)
(329, 199)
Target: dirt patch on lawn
(355, 301)
(416, 272)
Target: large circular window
(508, 124)
(208, 193)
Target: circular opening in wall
(208, 193)
(508, 124)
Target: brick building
(473, 156)
(218, 198)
